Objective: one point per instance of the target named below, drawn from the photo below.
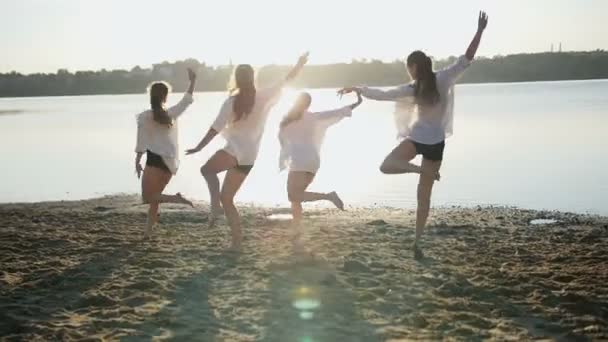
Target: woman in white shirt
(424, 116)
(157, 136)
(301, 135)
(241, 122)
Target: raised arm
(295, 71)
(273, 93)
(218, 125)
(482, 23)
(452, 73)
(178, 109)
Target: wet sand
(79, 270)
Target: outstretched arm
(331, 117)
(359, 100)
(393, 94)
(218, 125)
(211, 133)
(482, 22)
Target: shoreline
(540, 213)
(321, 88)
(76, 269)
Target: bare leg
(219, 162)
(297, 183)
(425, 187)
(232, 183)
(153, 183)
(398, 161)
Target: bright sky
(45, 35)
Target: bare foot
(216, 212)
(235, 247)
(336, 200)
(418, 255)
(184, 200)
(298, 245)
(237, 238)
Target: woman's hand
(193, 150)
(138, 169)
(348, 90)
(303, 59)
(191, 75)
(482, 21)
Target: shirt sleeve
(140, 144)
(452, 73)
(272, 94)
(331, 117)
(179, 108)
(394, 94)
(223, 116)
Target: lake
(533, 145)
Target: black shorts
(244, 168)
(431, 152)
(153, 159)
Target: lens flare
(306, 315)
(305, 301)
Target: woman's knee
(226, 199)
(294, 196)
(148, 198)
(384, 168)
(206, 170)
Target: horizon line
(257, 66)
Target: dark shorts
(244, 168)
(153, 159)
(431, 152)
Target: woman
(157, 137)
(430, 97)
(241, 121)
(301, 135)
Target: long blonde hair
(242, 88)
(295, 113)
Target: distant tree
(512, 68)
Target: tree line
(511, 68)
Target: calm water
(532, 145)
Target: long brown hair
(243, 90)
(425, 86)
(158, 95)
(295, 113)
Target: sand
(79, 270)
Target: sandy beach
(79, 270)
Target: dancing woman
(241, 122)
(301, 135)
(157, 136)
(424, 116)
